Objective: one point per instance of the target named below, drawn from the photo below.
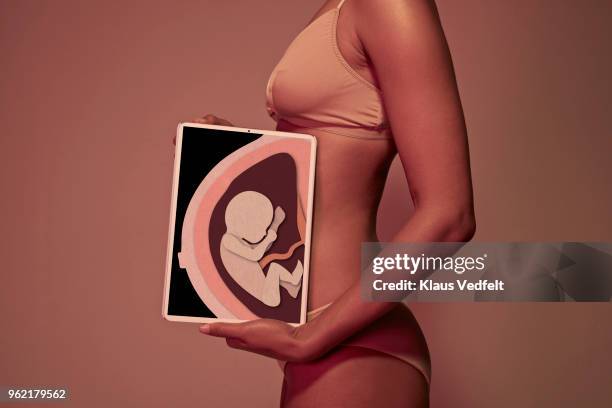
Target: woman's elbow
(460, 225)
(452, 224)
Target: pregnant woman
(369, 79)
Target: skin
(408, 59)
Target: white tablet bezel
(171, 230)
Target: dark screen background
(201, 150)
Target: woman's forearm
(350, 312)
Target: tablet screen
(239, 234)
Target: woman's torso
(351, 169)
(349, 180)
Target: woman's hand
(208, 120)
(268, 337)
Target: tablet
(240, 223)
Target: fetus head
(248, 216)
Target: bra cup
(313, 83)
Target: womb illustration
(243, 243)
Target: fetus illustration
(252, 227)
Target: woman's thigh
(354, 377)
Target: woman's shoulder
(393, 13)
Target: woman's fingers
(211, 119)
(208, 119)
(230, 330)
(236, 343)
(224, 122)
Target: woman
(369, 79)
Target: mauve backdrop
(90, 94)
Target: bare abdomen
(350, 177)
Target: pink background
(90, 95)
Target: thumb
(234, 330)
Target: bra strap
(340, 4)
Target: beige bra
(313, 86)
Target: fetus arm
(279, 217)
(252, 253)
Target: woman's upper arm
(407, 47)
